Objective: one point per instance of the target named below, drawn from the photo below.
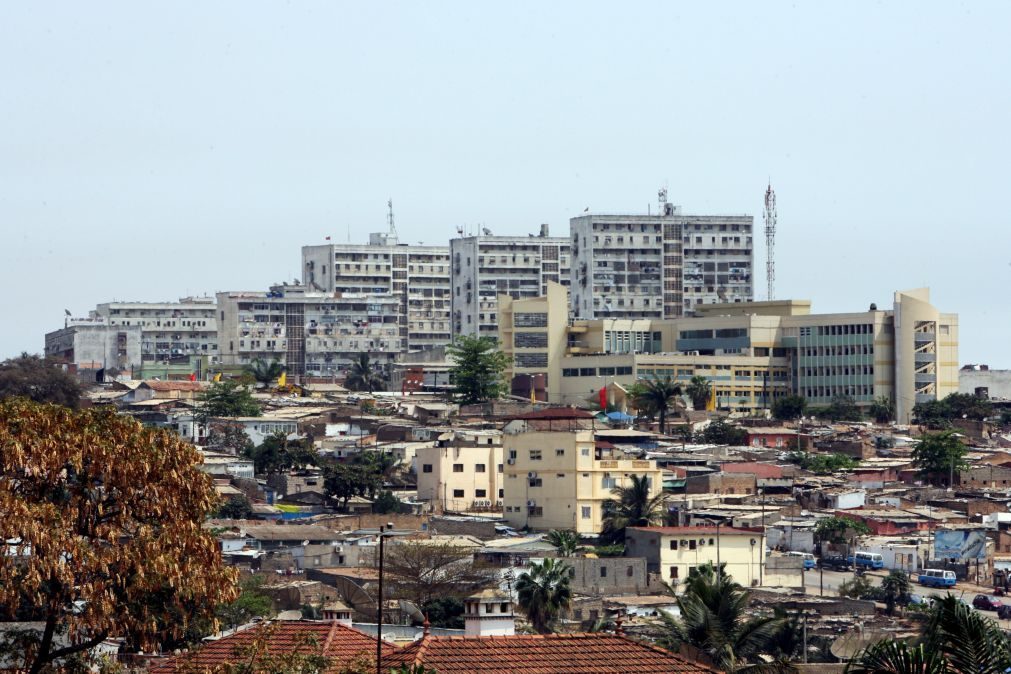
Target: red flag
(193, 377)
(603, 398)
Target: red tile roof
(598, 653)
(337, 641)
(679, 531)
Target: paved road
(817, 580)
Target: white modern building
(484, 267)
(312, 333)
(659, 265)
(418, 276)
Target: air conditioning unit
(511, 462)
(531, 475)
(702, 542)
(531, 504)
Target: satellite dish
(412, 610)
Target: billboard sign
(960, 544)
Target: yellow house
(558, 477)
(461, 477)
(674, 552)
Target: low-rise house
(674, 552)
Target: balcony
(921, 337)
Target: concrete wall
(608, 575)
(997, 382)
(721, 483)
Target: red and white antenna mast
(770, 241)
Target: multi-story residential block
(170, 332)
(462, 472)
(418, 276)
(751, 352)
(485, 267)
(556, 477)
(313, 333)
(93, 344)
(675, 552)
(658, 266)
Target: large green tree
(657, 396)
(38, 379)
(226, 399)
(636, 504)
(715, 618)
(544, 594)
(789, 407)
(363, 376)
(838, 529)
(344, 481)
(882, 410)
(897, 657)
(699, 390)
(477, 369)
(722, 432)
(939, 456)
(103, 522)
(252, 602)
(896, 589)
(969, 641)
(842, 408)
(277, 454)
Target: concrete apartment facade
(751, 352)
(560, 479)
(418, 276)
(169, 332)
(90, 344)
(658, 266)
(484, 267)
(313, 333)
(675, 552)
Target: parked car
(987, 603)
(1004, 612)
(836, 563)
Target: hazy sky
(149, 151)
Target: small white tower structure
(336, 611)
(489, 613)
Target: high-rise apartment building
(484, 267)
(418, 276)
(169, 332)
(312, 333)
(658, 266)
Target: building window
(535, 455)
(673, 572)
(559, 452)
(479, 468)
(673, 544)
(457, 467)
(457, 493)
(480, 493)
(426, 468)
(603, 572)
(587, 512)
(630, 571)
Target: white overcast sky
(153, 150)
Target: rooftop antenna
(770, 241)
(389, 218)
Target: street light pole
(379, 612)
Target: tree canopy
(656, 396)
(264, 372)
(823, 463)
(477, 370)
(565, 542)
(789, 407)
(721, 432)
(362, 376)
(938, 456)
(277, 454)
(38, 379)
(543, 593)
(839, 529)
(226, 399)
(124, 505)
(938, 414)
(637, 504)
(699, 390)
(422, 572)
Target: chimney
(489, 613)
(544, 230)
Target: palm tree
(657, 396)
(896, 589)
(632, 507)
(264, 372)
(897, 657)
(362, 376)
(544, 593)
(565, 542)
(699, 390)
(969, 641)
(714, 619)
